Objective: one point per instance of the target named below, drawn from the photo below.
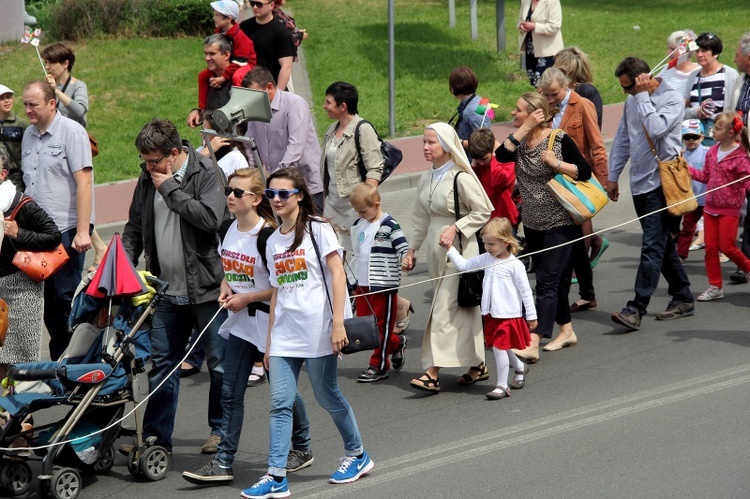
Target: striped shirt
(743, 103)
(709, 87)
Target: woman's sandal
(429, 384)
(468, 379)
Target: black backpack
(392, 155)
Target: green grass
(133, 80)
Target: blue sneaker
(352, 468)
(267, 488)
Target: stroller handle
(34, 374)
(159, 285)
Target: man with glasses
(57, 173)
(177, 208)
(289, 140)
(655, 109)
(272, 41)
(11, 134)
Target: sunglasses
(238, 193)
(691, 137)
(628, 87)
(153, 162)
(259, 5)
(283, 194)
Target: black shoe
(371, 375)
(298, 459)
(397, 359)
(210, 474)
(676, 309)
(738, 277)
(256, 379)
(628, 317)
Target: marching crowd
(278, 252)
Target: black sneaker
(371, 375)
(738, 277)
(298, 459)
(628, 317)
(676, 309)
(210, 474)
(397, 359)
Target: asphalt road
(661, 412)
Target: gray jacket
(732, 84)
(202, 206)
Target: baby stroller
(95, 378)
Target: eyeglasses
(282, 193)
(691, 137)
(628, 87)
(238, 193)
(153, 162)
(259, 5)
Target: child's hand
(445, 244)
(217, 81)
(532, 325)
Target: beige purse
(675, 182)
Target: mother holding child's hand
(453, 336)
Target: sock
(278, 479)
(258, 371)
(516, 364)
(501, 359)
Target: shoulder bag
(582, 199)
(392, 155)
(675, 182)
(39, 265)
(362, 332)
(92, 140)
(469, 283)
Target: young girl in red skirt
(505, 293)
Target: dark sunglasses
(628, 87)
(258, 5)
(282, 193)
(238, 193)
(691, 137)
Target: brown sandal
(468, 379)
(429, 384)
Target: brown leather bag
(3, 321)
(675, 182)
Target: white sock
(516, 364)
(501, 359)
(258, 371)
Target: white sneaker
(712, 293)
(696, 246)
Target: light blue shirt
(562, 106)
(697, 159)
(661, 113)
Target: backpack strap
(263, 236)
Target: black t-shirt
(272, 41)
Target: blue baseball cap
(692, 127)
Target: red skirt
(505, 334)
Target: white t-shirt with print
(302, 327)
(363, 244)
(244, 272)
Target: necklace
(283, 232)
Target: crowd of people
(276, 241)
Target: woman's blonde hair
(575, 64)
(536, 101)
(501, 228)
(256, 187)
(734, 123)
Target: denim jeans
(323, 372)
(171, 326)
(658, 253)
(238, 363)
(58, 293)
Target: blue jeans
(171, 326)
(658, 254)
(238, 363)
(58, 293)
(323, 372)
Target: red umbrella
(116, 275)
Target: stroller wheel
(16, 478)
(133, 465)
(105, 462)
(154, 463)
(65, 484)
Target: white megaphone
(244, 105)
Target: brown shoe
(530, 354)
(211, 445)
(580, 307)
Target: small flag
(31, 36)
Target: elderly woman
(709, 87)
(677, 76)
(31, 229)
(547, 226)
(539, 39)
(340, 159)
(453, 336)
(71, 93)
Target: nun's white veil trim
(448, 138)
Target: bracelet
(514, 140)
(559, 164)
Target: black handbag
(362, 332)
(392, 155)
(469, 283)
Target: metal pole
(452, 13)
(392, 68)
(473, 19)
(500, 21)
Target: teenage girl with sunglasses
(306, 326)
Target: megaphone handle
(207, 140)
(256, 158)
